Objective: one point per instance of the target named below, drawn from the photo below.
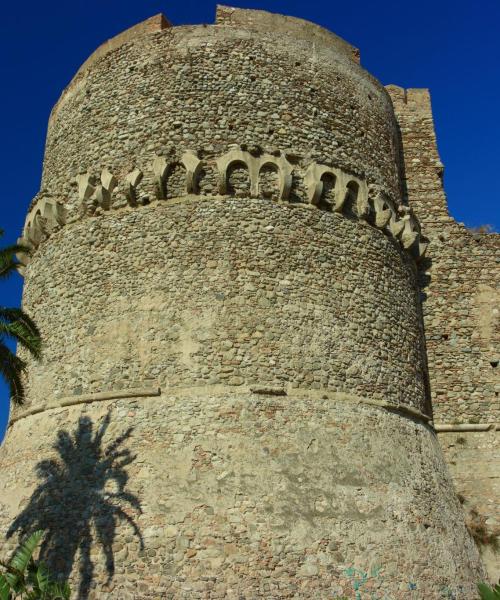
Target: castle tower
(233, 399)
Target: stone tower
(233, 400)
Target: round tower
(233, 396)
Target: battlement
(416, 98)
(238, 173)
(252, 20)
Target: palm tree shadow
(81, 496)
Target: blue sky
(449, 46)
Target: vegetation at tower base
(80, 478)
(226, 273)
(483, 534)
(15, 325)
(23, 577)
(489, 593)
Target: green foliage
(25, 578)
(15, 325)
(488, 593)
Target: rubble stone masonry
(460, 284)
(235, 398)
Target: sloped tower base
(249, 495)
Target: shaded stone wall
(233, 399)
(461, 299)
(238, 494)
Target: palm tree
(15, 325)
(24, 577)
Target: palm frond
(4, 588)
(488, 593)
(11, 315)
(11, 367)
(15, 579)
(8, 259)
(59, 591)
(23, 556)
(15, 323)
(39, 577)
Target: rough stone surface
(222, 217)
(460, 281)
(246, 495)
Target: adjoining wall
(461, 300)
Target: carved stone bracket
(45, 216)
(345, 185)
(401, 223)
(254, 164)
(162, 169)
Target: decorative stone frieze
(327, 188)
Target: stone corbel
(46, 215)
(342, 192)
(160, 170)
(86, 186)
(396, 225)
(411, 236)
(34, 229)
(383, 213)
(238, 156)
(193, 165)
(314, 184)
(285, 171)
(104, 190)
(54, 213)
(410, 233)
(132, 180)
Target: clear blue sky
(449, 46)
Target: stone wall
(236, 494)
(461, 299)
(209, 88)
(212, 291)
(233, 399)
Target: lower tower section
(238, 410)
(227, 494)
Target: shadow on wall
(81, 496)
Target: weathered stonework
(234, 397)
(460, 281)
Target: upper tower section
(180, 167)
(267, 82)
